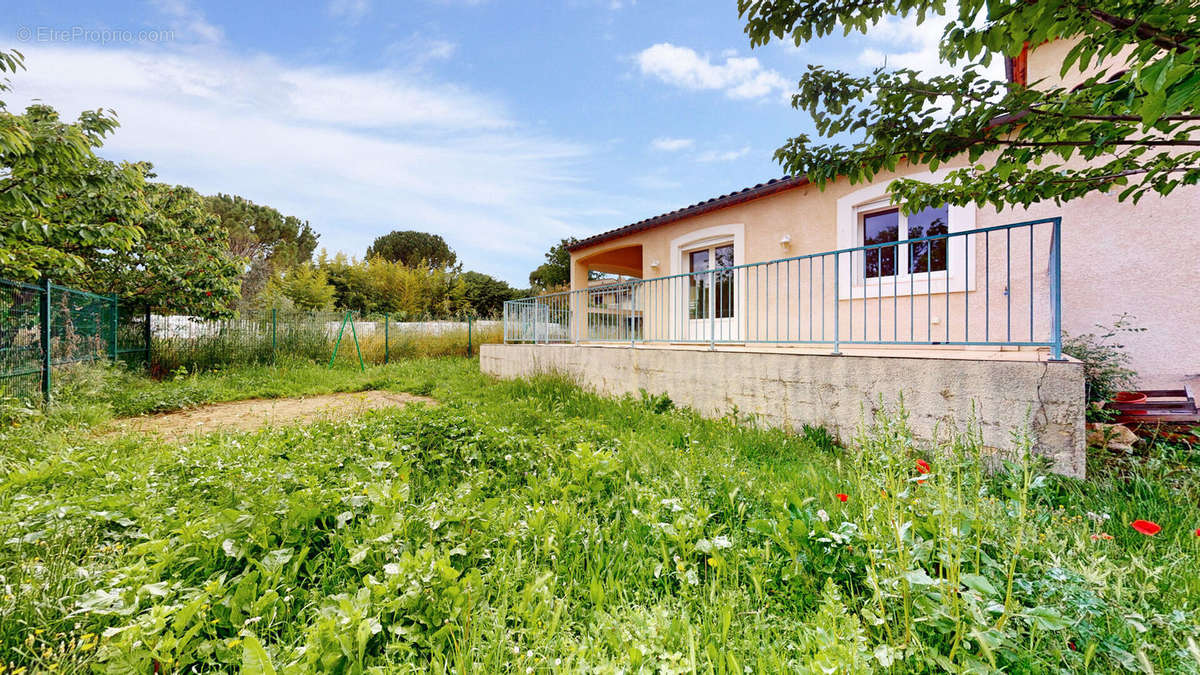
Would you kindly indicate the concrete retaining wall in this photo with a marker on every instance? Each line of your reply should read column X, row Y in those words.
column 1009, row 391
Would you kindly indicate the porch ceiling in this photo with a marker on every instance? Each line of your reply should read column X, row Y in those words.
column 626, row 260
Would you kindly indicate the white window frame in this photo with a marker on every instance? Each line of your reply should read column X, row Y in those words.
column 959, row 275
column 683, row 245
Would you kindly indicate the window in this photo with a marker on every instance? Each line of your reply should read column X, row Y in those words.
column 889, row 225
column 880, row 228
column 713, row 292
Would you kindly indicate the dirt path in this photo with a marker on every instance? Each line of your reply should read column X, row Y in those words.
column 257, row 413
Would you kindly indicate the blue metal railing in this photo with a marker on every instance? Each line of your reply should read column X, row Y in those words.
column 992, row 286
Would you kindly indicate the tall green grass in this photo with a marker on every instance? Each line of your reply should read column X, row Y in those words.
column 252, row 340
column 529, row 526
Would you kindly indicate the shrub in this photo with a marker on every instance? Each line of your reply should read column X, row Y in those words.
column 1105, row 361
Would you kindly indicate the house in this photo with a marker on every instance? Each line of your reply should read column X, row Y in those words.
column 806, row 306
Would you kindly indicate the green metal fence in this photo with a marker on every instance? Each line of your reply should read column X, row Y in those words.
column 347, row 338
column 46, row 327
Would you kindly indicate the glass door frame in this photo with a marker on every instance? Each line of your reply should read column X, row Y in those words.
column 708, row 326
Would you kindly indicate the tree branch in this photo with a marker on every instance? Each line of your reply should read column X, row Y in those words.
column 1143, row 31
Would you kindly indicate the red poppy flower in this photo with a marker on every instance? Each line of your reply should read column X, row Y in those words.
column 208, row 292
column 1198, row 531
column 1146, row 527
column 842, row 496
column 922, row 466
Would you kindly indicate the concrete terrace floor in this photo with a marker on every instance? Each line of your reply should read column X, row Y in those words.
column 970, row 353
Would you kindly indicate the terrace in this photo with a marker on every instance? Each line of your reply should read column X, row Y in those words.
column 819, row 337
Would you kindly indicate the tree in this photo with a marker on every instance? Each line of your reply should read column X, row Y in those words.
column 100, row 225
column 556, row 271
column 306, row 286
column 1134, row 124
column 181, row 260
column 482, row 294
column 413, row 249
column 57, row 198
column 270, row 241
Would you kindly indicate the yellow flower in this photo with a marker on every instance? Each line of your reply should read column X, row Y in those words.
column 234, row 643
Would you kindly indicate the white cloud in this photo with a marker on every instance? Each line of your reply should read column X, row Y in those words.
column 738, row 77
column 357, row 153
column 416, row 50
column 672, row 144
column 908, row 44
column 351, row 10
column 189, row 21
column 723, row 156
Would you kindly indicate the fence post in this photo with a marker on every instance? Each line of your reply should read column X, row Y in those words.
column 1056, row 289
column 337, row 344
column 147, row 334
column 387, row 319
column 837, row 302
column 469, row 317
column 44, row 309
column 354, row 332
column 274, row 317
column 116, row 327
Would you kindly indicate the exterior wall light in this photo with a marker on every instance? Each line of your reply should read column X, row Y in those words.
column 785, row 241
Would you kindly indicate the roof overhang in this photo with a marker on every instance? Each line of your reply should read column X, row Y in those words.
column 757, row 192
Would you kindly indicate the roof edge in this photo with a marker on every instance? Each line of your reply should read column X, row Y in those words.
column 747, row 194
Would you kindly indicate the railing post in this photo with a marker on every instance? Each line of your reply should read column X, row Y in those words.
column 387, row 320
column 837, row 303
column 44, row 309
column 712, row 311
column 632, row 304
column 1056, row 289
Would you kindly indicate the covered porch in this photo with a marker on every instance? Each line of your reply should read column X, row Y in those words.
column 996, row 288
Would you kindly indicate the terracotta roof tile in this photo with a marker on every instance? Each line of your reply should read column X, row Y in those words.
column 744, row 195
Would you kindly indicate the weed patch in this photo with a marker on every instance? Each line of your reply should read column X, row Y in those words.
column 531, row 526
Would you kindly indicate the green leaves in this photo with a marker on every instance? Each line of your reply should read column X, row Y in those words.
column 99, row 225
column 254, row 658
column 528, row 525
column 1127, row 105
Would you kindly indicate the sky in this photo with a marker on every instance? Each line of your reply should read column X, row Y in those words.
column 502, row 125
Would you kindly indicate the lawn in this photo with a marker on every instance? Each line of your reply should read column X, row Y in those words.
column 533, row 527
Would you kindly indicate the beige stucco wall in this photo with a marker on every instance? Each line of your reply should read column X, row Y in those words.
column 789, row 389
column 1117, row 257
column 1045, row 65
